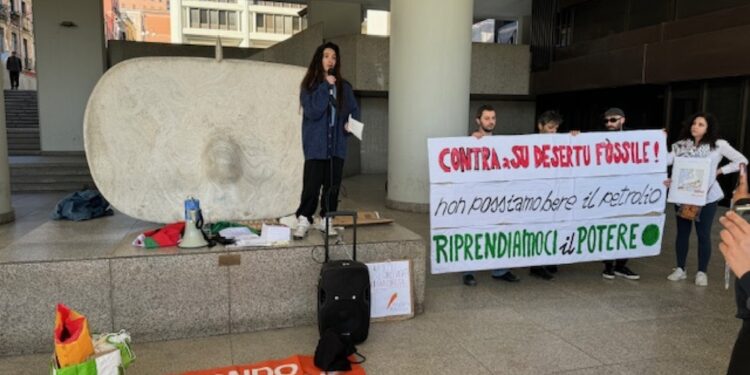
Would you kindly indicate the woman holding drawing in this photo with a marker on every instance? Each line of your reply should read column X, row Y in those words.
column 699, row 138
column 327, row 101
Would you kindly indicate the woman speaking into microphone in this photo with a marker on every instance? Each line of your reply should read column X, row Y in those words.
column 327, row 100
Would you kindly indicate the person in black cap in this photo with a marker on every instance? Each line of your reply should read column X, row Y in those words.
column 614, row 120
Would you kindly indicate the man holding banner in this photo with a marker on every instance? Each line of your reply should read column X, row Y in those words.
column 614, row 120
column 486, row 120
column 547, row 123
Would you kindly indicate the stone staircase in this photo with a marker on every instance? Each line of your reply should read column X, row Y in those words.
column 22, row 122
column 30, row 171
column 69, row 173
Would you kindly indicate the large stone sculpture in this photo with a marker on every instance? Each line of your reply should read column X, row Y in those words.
column 157, row 130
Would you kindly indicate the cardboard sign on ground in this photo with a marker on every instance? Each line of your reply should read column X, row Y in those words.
column 363, row 218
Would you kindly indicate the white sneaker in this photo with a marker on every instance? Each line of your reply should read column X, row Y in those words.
column 302, row 226
column 677, row 274
column 321, row 226
column 701, row 279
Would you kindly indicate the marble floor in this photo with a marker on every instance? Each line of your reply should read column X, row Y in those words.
column 575, row 324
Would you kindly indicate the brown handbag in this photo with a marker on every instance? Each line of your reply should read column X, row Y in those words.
column 689, row 212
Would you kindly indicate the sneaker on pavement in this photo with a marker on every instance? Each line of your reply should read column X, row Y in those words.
column 302, row 226
column 470, row 280
column 701, row 279
column 626, row 273
column 677, row 274
column 541, row 272
column 508, row 276
column 608, row 274
column 321, row 226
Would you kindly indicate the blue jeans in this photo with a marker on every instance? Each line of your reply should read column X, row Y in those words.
column 495, row 273
column 703, row 229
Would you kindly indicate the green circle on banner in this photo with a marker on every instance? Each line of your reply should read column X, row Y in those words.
column 650, row 235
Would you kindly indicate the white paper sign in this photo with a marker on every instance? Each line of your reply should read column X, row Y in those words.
column 522, row 245
column 390, row 289
column 506, row 158
column 275, row 233
column 356, row 127
column 690, row 178
column 545, row 200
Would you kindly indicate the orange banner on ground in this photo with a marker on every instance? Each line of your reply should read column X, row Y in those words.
column 294, row 365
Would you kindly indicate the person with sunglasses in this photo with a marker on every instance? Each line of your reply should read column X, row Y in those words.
column 614, row 120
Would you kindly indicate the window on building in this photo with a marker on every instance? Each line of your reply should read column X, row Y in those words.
column 14, row 39
column 12, row 4
column 25, row 49
column 296, row 24
column 279, row 24
column 232, row 21
column 214, row 20
column 260, row 25
column 195, row 16
column 204, row 18
column 269, row 22
column 2, row 39
column 288, row 25
column 223, row 23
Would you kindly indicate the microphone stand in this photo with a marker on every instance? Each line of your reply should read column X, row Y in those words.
column 330, row 139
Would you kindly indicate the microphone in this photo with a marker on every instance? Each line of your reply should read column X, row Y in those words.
column 331, row 72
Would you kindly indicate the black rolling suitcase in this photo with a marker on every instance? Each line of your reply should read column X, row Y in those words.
column 344, row 293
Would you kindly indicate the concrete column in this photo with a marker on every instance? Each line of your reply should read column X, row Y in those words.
column 70, row 61
column 6, row 210
column 175, row 20
column 245, row 22
column 339, row 18
column 430, row 71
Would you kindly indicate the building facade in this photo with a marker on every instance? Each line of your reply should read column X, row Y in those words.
column 659, row 60
column 137, row 20
column 239, row 23
column 17, row 31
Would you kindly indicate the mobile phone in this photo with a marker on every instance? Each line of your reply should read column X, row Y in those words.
column 742, row 208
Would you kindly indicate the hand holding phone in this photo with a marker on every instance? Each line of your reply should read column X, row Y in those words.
column 735, row 232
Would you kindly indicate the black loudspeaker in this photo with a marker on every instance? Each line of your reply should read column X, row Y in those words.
column 344, row 293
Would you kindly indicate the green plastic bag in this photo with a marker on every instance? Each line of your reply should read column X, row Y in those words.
column 109, row 363
column 121, row 341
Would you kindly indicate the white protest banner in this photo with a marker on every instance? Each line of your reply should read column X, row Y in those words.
column 690, row 177
column 545, row 200
column 552, row 198
column 522, row 245
column 506, row 158
column 390, row 289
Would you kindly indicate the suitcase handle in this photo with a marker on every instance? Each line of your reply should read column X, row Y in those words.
column 330, row 216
